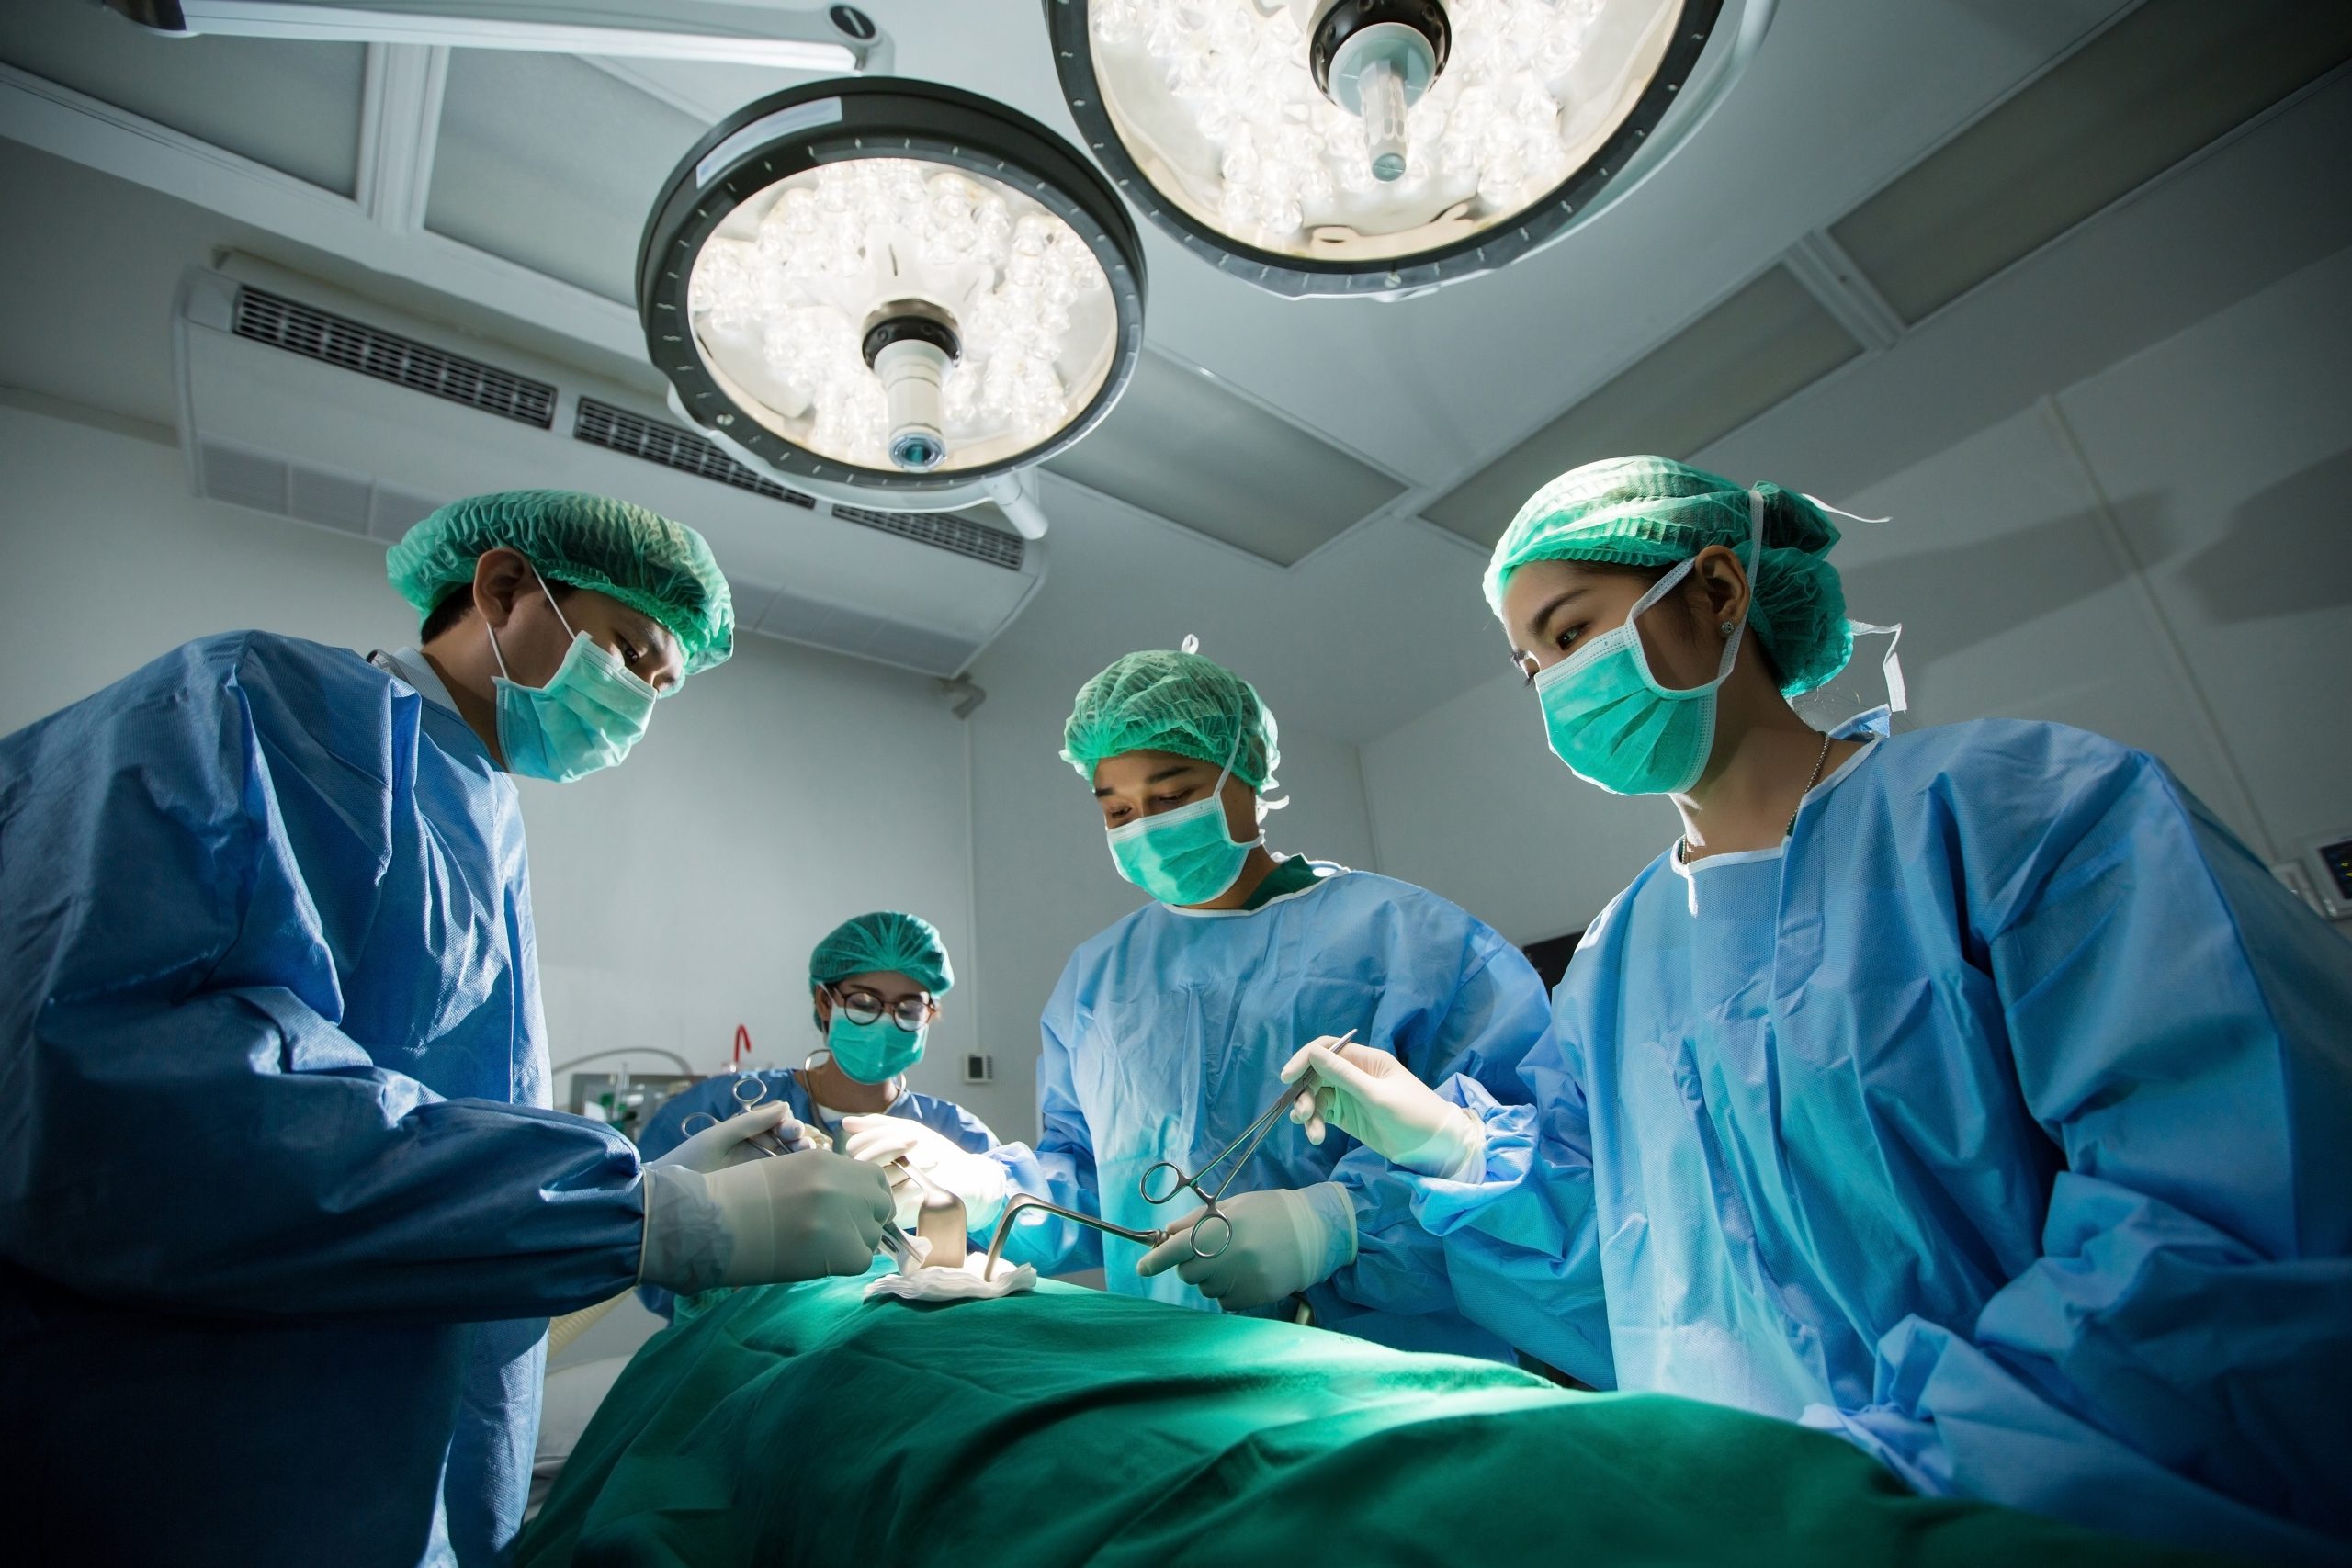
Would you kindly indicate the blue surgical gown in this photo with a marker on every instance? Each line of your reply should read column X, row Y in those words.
column 664, row 1129
column 1166, row 1038
column 1998, row 1122
column 282, row 1208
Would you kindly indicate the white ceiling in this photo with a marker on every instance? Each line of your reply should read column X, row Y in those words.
column 1838, row 101
column 544, row 168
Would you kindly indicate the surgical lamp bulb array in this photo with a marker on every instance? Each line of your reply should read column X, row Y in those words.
column 1489, row 129
column 896, row 286
column 1376, row 146
column 908, row 310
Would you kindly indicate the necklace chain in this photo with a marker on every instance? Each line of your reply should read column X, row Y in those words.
column 1682, row 845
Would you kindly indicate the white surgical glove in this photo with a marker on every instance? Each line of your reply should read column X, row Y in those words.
column 978, row 1180
column 715, row 1149
column 795, row 1217
column 1372, row 1097
column 1283, row 1242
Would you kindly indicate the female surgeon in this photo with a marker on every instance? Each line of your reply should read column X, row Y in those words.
column 1166, row 1036
column 1971, row 1093
column 874, row 983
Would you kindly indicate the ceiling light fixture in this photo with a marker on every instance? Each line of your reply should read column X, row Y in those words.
column 1385, row 147
column 891, row 286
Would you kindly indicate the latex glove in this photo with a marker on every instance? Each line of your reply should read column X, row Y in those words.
column 715, row 1149
column 1371, row 1096
column 796, row 1217
column 978, row 1180
column 1283, row 1242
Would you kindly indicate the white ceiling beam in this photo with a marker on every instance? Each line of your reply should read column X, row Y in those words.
column 1845, row 291
column 621, row 71
column 654, row 32
column 71, row 125
column 400, row 123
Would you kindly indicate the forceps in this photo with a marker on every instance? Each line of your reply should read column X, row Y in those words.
column 1159, row 1188
column 750, row 1090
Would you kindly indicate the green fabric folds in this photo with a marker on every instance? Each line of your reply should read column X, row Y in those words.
column 799, row 1423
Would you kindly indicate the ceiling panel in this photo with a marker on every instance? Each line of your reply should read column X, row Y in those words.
column 547, row 160
column 293, row 107
column 1766, row 342
column 1194, row 451
column 2149, row 91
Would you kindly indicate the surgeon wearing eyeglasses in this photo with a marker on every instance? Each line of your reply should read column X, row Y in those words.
column 875, row 986
column 1970, row 1093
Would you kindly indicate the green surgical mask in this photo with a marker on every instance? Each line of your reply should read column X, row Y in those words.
column 1612, row 722
column 872, row 1052
column 1187, row 855
column 586, row 717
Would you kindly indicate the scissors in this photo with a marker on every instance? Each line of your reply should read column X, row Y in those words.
column 1165, row 1179
column 750, row 1090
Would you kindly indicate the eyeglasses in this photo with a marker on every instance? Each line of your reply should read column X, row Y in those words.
column 909, row 1013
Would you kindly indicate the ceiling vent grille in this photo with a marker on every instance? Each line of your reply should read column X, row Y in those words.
column 616, row 429
column 943, row 530
column 301, row 329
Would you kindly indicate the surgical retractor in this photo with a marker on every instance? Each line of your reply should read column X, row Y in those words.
column 1024, row 1200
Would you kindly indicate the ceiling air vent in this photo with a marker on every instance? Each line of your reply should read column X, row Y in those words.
column 301, row 329
column 616, row 429
column 943, row 530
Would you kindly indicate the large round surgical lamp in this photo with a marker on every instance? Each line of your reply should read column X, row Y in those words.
column 1385, row 147
column 890, row 291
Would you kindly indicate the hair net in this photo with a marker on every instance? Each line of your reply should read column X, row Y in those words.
column 653, row 565
column 1183, row 703
column 884, row 940
column 1657, row 511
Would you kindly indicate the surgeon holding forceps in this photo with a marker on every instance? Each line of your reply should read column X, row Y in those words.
column 749, row 1092
column 1165, row 1179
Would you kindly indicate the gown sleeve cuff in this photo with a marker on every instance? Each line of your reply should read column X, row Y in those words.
column 1494, row 1159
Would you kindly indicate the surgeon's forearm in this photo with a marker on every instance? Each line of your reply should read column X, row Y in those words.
column 224, row 1187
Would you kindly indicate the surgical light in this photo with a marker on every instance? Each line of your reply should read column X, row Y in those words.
column 1385, row 146
column 891, row 286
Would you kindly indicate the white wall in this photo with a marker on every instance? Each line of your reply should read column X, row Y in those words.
column 2158, row 552
column 675, row 896
column 680, row 893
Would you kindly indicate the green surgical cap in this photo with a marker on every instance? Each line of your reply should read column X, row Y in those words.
column 1657, row 511
column 654, row 565
column 1163, row 701
column 884, row 940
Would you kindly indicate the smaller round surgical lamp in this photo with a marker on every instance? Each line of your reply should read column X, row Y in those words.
column 1385, row 147
column 890, row 289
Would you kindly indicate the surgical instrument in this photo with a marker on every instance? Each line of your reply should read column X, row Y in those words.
column 750, row 1090
column 1024, row 1200
column 1157, row 1191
